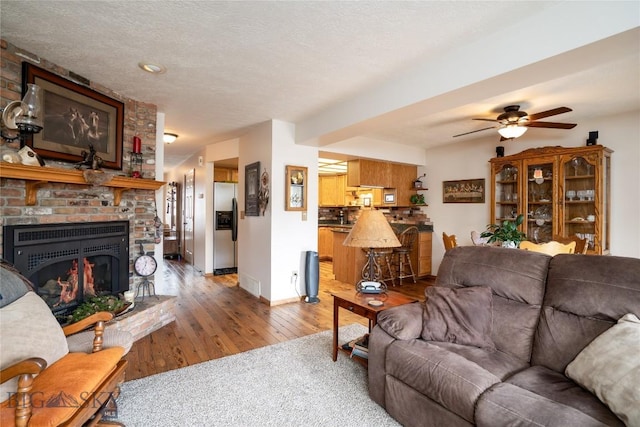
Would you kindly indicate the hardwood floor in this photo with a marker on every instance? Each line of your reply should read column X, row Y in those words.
column 216, row 318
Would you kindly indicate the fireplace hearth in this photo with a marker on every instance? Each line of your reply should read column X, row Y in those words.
column 70, row 262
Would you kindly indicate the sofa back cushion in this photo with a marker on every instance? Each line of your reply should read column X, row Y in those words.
column 517, row 280
column 585, row 296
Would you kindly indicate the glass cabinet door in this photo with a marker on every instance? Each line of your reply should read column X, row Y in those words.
column 580, row 204
column 539, row 192
column 506, row 192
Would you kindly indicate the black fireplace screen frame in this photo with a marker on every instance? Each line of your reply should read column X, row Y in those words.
column 37, row 250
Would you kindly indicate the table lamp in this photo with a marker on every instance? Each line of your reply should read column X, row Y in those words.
column 371, row 230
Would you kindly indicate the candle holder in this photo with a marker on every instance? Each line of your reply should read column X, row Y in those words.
column 135, row 165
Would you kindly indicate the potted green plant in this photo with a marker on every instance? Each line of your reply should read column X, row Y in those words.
column 506, row 233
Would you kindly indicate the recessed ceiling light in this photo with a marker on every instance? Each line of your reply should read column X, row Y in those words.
column 152, row 68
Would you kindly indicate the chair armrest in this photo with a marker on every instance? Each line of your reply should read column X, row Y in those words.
column 25, row 371
column 98, row 319
column 403, row 322
column 81, row 325
column 32, row 366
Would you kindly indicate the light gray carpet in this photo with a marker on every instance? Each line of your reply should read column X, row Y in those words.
column 287, row 384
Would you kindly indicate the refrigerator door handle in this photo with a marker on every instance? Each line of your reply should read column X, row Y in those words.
column 234, row 219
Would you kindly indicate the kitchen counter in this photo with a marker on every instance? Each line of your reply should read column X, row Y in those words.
column 401, row 226
column 349, row 261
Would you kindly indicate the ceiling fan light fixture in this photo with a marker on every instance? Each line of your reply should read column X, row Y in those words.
column 169, row 138
column 512, row 131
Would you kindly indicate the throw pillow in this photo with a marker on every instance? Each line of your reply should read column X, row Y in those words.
column 459, row 315
column 13, row 285
column 28, row 329
column 609, row 367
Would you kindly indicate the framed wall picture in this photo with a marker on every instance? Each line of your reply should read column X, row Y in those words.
column 75, row 118
column 296, row 188
column 463, row 191
column 251, row 189
column 389, row 197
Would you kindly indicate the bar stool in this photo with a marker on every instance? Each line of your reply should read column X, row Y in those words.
column 402, row 255
column 383, row 265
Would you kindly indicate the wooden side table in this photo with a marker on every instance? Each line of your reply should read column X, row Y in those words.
column 358, row 303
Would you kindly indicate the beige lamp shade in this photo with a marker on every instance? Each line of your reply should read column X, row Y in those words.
column 372, row 230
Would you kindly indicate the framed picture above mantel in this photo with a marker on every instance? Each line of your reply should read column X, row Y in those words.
column 296, row 188
column 75, row 119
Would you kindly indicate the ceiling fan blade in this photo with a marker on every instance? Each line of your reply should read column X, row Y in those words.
column 474, row 131
column 549, row 113
column 552, row 125
column 486, row 120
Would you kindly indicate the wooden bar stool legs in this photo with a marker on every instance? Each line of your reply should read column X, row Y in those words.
column 405, row 268
column 402, row 255
column 383, row 270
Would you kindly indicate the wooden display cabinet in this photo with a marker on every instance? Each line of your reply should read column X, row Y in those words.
column 561, row 191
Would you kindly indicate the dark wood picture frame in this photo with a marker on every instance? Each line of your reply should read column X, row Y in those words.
column 463, row 191
column 252, row 189
column 74, row 117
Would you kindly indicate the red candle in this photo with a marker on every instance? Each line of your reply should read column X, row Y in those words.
column 137, row 145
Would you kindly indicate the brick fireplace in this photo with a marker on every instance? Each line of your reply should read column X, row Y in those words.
column 60, row 194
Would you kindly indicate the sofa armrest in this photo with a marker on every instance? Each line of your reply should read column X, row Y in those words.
column 403, row 322
column 97, row 319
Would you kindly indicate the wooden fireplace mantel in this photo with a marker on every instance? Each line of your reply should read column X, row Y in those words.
column 37, row 176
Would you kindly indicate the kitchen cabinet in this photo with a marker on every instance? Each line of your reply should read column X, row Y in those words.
column 423, row 254
column 332, row 190
column 325, row 244
column 402, row 180
column 561, row 191
column 225, row 175
column 369, row 173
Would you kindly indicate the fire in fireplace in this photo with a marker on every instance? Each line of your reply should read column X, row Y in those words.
column 68, row 263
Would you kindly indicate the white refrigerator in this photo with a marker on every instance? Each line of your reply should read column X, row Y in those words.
column 225, row 206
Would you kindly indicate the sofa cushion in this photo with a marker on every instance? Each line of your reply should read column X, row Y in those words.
column 609, row 367
column 555, row 386
column 500, row 364
column 403, row 322
column 62, row 387
column 509, row 405
column 28, row 329
column 445, row 377
column 461, row 316
column 517, row 279
column 585, row 296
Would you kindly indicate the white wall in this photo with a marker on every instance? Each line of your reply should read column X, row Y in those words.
column 274, row 245
column 621, row 133
column 292, row 234
column 254, row 232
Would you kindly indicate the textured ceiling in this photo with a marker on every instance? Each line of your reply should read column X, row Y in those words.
column 231, row 65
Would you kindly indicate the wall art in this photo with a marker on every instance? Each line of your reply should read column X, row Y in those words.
column 76, row 118
column 463, row 191
column 252, row 189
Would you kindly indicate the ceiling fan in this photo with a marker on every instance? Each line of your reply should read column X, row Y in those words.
column 513, row 123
